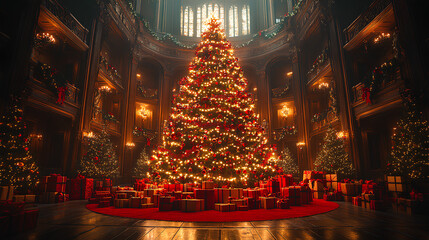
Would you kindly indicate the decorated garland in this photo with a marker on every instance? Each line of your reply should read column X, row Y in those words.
column 281, row 133
column 147, row 92
column 280, row 92
column 319, row 61
column 55, row 81
column 111, row 70
column 109, row 117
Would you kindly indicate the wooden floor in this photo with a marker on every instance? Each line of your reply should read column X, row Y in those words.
column 72, row 220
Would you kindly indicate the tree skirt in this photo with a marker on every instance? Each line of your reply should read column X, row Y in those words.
column 316, row 207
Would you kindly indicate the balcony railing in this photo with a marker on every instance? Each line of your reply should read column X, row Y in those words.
column 72, row 94
column 365, row 18
column 147, row 93
column 67, row 18
column 323, row 119
column 111, row 71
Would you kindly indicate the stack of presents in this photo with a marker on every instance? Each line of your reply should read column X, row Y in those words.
column 17, row 212
column 368, row 194
column 279, row 192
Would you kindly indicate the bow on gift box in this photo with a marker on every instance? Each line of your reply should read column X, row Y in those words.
column 282, row 200
column 188, row 197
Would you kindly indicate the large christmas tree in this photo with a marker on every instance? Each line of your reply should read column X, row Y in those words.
column 17, row 166
column 100, row 161
column 410, row 143
column 333, row 157
column 213, row 131
column 288, row 163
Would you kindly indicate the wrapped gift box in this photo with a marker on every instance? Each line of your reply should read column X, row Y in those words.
column 121, row 203
column 282, row 204
column 254, row 193
column 264, row 192
column 263, row 184
column 221, row 195
column 236, row 193
column 239, row 202
column 329, row 196
column 6, row 193
column 155, row 199
column 146, row 200
column 187, row 195
column 208, row 185
column 177, row 195
column 61, row 197
column 318, row 195
column 57, row 183
column 30, row 219
column 225, row 207
column 121, row 196
column 273, row 186
column 305, row 192
column 148, row 205
column 208, row 195
column 166, row 203
column 188, row 187
column 80, row 188
column 250, row 202
column 312, row 175
column 43, row 184
column 285, row 180
column 139, row 186
column 107, row 182
column 243, row 208
column 173, row 187
column 192, row 205
column 268, row 202
column 294, row 195
column 24, row 198
column 135, row 202
column 150, row 192
column 347, row 198
column 245, row 192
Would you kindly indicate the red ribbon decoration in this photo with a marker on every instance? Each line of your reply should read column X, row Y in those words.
column 366, row 95
column 61, row 94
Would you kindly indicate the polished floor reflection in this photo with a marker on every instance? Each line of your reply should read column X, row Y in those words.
column 72, row 220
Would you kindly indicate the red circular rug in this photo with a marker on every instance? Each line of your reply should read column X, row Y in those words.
column 316, row 207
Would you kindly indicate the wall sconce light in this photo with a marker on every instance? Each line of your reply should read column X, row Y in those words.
column 46, row 37
column 323, row 85
column 130, row 145
column 255, row 89
column 88, row 134
column 285, row 112
column 342, row 135
column 300, row 145
column 289, row 74
column 105, row 89
column 143, row 112
column 138, row 75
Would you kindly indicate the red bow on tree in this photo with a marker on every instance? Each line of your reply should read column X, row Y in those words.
column 61, row 94
column 366, row 95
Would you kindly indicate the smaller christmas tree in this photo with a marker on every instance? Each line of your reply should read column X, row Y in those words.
column 410, row 144
column 17, row 166
column 100, row 161
column 288, row 163
column 333, row 158
column 142, row 168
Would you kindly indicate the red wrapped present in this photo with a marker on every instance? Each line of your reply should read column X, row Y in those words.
column 155, row 199
column 188, row 187
column 24, row 198
column 135, row 202
column 8, row 207
column 294, row 195
column 80, row 188
column 250, row 202
column 17, row 223
column 188, row 195
column 239, row 202
column 243, row 208
column 47, row 197
column 150, row 192
column 273, row 186
column 282, row 203
column 138, row 186
column 57, row 183
column 148, row 205
column 208, row 195
column 329, row 196
column 313, row 175
column 121, row 203
column 254, row 193
column 61, row 197
column 107, row 182
column 263, row 184
column 225, row 207
column 166, row 203
column 192, row 205
column 268, row 202
column 173, row 187
column 208, row 185
column 245, row 192
column 43, row 184
column 285, row 180
column 177, row 195
column 236, row 193
column 30, row 219
column 264, row 192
